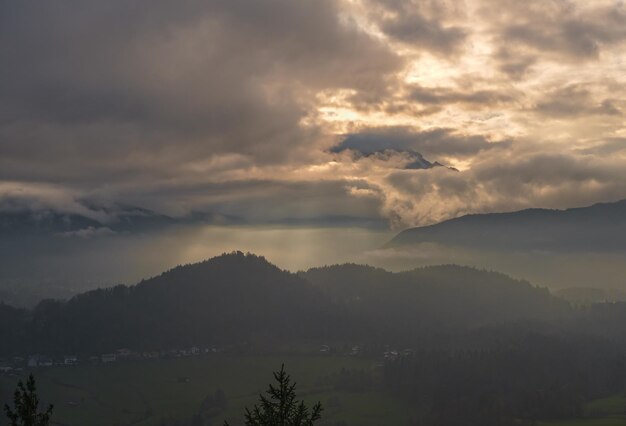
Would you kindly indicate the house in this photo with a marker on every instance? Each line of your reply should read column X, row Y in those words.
column 356, row 350
column 324, row 349
column 45, row 361
column 107, row 358
column 408, row 352
column 70, row 360
column 33, row 361
column 5, row 366
column 150, row 355
column 123, row 353
column 391, row 355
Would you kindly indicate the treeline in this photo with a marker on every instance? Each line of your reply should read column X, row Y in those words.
column 232, row 298
column 243, row 298
column 237, row 298
column 440, row 298
column 521, row 379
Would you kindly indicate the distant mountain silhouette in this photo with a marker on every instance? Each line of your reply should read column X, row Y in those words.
column 25, row 222
column 237, row 298
column 92, row 220
column 601, row 227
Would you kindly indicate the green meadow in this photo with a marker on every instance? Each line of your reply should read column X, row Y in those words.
column 147, row 392
column 602, row 412
column 144, row 393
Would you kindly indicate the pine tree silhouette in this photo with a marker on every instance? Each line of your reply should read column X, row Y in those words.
column 280, row 408
column 26, row 404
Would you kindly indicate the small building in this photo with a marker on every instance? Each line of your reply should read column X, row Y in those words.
column 123, row 353
column 391, row 355
column 70, row 360
column 33, row 361
column 150, row 355
column 324, row 349
column 108, row 358
column 356, row 350
column 5, row 366
column 45, row 361
column 408, row 352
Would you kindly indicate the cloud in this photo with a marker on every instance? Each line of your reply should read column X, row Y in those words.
column 575, row 100
column 434, row 143
column 281, row 111
column 88, row 233
column 419, row 31
column 501, row 183
column 419, row 24
column 568, row 29
column 17, row 197
column 610, row 146
column 92, row 89
column 446, row 96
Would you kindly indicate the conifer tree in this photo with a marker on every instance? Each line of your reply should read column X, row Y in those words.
column 26, row 404
column 280, row 408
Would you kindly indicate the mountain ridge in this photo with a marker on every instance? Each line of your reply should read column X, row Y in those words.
column 239, row 297
column 600, row 226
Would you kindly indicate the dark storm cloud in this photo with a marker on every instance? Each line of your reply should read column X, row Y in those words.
column 420, row 24
column 446, row 96
column 516, row 65
column 559, row 27
column 148, row 85
column 435, row 143
column 606, row 147
column 290, row 202
column 541, row 170
column 574, row 101
column 418, row 31
column 231, row 106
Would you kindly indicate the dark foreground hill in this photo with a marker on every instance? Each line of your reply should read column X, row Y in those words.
column 239, row 298
column 230, row 298
column 601, row 227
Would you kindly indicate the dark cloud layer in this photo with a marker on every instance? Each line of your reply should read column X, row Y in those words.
column 281, row 110
column 419, row 24
column 575, row 101
column 93, row 82
column 437, row 142
column 570, row 29
column 445, row 96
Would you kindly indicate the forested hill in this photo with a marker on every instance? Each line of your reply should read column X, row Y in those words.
column 230, row 298
column 445, row 295
column 601, row 227
column 238, row 298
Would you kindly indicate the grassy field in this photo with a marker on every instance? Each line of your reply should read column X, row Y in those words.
column 602, row 412
column 143, row 393
column 603, row 421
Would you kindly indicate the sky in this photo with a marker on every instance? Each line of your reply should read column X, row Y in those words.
column 312, row 111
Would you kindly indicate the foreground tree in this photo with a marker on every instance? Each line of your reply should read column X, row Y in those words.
column 280, row 408
column 26, row 404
